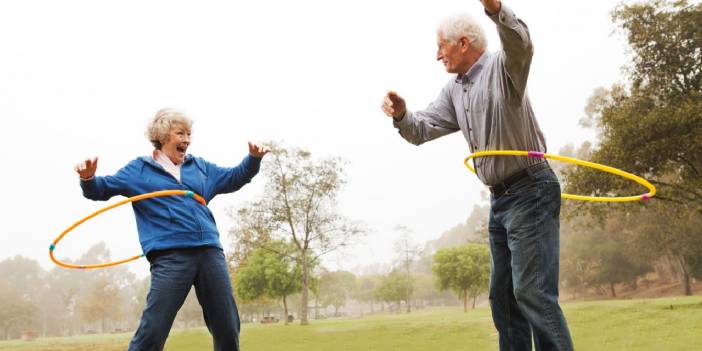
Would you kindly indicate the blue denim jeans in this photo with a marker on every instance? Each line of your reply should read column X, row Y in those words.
column 173, row 272
column 524, row 242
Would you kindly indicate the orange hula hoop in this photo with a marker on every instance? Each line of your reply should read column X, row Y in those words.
column 161, row 193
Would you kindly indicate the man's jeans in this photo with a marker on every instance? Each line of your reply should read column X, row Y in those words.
column 524, row 242
column 173, row 272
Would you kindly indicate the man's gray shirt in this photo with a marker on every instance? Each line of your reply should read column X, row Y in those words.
column 488, row 104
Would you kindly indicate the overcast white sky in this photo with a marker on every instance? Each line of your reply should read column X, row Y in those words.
column 81, row 78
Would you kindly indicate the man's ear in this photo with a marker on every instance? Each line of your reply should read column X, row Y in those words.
column 465, row 44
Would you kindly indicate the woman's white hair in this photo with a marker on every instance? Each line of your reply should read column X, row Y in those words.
column 159, row 126
column 454, row 27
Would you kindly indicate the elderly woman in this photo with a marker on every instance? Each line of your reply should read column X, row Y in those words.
column 178, row 235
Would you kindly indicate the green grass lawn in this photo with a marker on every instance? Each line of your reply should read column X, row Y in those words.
column 654, row 324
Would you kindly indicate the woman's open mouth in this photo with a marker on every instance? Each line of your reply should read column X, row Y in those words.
column 181, row 149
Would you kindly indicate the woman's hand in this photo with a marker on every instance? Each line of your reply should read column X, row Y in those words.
column 87, row 168
column 258, row 151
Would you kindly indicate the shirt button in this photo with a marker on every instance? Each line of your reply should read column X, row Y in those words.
column 465, row 90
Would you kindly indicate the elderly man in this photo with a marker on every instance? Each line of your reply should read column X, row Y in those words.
column 487, row 102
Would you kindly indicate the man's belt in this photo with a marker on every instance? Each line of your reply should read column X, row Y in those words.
column 500, row 188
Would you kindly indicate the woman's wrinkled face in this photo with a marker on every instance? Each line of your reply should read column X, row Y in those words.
column 176, row 143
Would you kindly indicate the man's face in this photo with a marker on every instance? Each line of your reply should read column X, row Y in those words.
column 453, row 54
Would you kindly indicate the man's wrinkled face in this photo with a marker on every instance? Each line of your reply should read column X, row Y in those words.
column 453, row 54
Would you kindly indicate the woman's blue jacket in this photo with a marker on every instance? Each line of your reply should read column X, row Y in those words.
column 173, row 221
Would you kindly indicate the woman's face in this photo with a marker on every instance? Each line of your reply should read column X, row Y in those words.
column 176, row 143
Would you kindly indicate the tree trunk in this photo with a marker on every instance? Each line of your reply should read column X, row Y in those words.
column 305, row 289
column 316, row 307
column 612, row 290
column 475, row 297
column 465, row 300
column 673, row 267
column 408, row 287
column 285, row 308
column 685, row 275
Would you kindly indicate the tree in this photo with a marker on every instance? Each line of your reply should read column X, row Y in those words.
column 101, row 303
column 298, row 205
column 666, row 229
column 474, row 229
column 269, row 271
column 424, row 288
column 16, row 311
column 22, row 286
column 393, row 288
column 695, row 263
column 24, row 275
column 408, row 253
column 365, row 287
column 137, row 299
column 651, row 125
column 599, row 255
column 66, row 286
column 653, row 128
column 335, row 288
column 464, row 270
column 100, row 298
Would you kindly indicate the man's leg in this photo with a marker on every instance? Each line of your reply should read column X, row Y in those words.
column 172, row 274
column 214, row 291
column 512, row 326
column 533, row 239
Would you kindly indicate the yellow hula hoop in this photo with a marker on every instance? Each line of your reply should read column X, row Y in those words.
column 185, row 193
column 536, row 154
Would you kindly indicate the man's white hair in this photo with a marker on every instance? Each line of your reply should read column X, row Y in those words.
column 159, row 126
column 454, row 27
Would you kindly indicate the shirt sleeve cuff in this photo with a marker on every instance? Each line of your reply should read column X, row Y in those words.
column 254, row 163
column 404, row 121
column 505, row 17
column 255, row 160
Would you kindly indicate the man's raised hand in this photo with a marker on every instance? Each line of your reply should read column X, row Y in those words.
column 394, row 105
